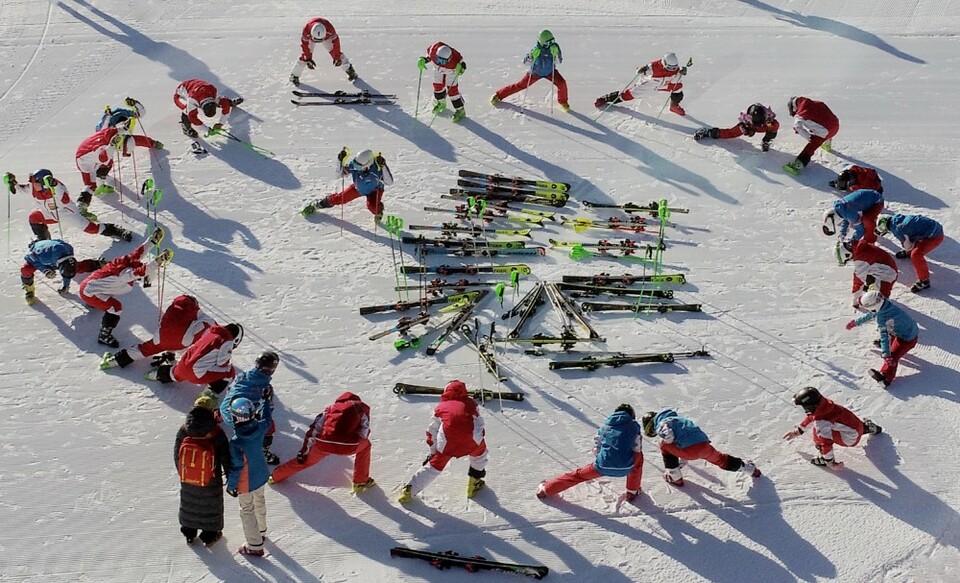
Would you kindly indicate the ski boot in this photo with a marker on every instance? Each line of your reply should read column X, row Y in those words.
column 271, row 458
column 921, row 285
column 703, row 133
column 236, row 101
column 542, row 491
column 109, row 360
column 495, row 99
column 439, row 107
column 313, row 206
column 209, row 541
column 83, row 207
column 295, row 80
column 115, row 232
column 104, row 189
column 30, row 294
column 188, row 130
column 675, row 108
column 197, row 149
column 351, row 74
column 825, row 462
column 631, row 495
column 750, row 468
column 902, row 254
column 608, row 99
column 879, row 377
column 793, row 168
column 458, row 115
column 674, row 477
column 406, row 495
column 106, row 338
column 358, row 488
column 871, row 428
column 565, row 107
column 475, row 481
column 827, row 146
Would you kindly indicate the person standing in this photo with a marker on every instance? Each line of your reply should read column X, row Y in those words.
column 543, row 59
column 448, row 67
column 249, row 471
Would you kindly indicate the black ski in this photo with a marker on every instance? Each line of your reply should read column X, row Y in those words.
column 616, row 291
column 593, row 362
column 503, row 198
column 455, row 324
column 451, row 559
column 625, row 279
column 526, row 307
column 479, row 394
column 520, row 189
column 347, row 101
column 403, row 325
column 485, row 251
column 468, row 269
column 401, row 306
column 570, row 311
column 439, row 284
column 342, row 94
column 472, row 336
column 462, row 243
column 500, row 178
column 566, row 342
column 641, row 307
column 630, row 207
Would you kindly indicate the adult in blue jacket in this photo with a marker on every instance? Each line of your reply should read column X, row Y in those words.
column 899, row 332
column 918, row 235
column 370, row 174
column 255, row 384
column 681, row 438
column 860, row 208
column 618, row 451
column 248, row 470
column 52, row 256
column 543, row 59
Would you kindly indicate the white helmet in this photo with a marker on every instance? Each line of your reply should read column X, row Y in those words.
column 318, row 32
column 830, row 223
column 119, row 141
column 872, row 300
column 670, row 62
column 365, row 158
column 792, row 106
column 443, row 55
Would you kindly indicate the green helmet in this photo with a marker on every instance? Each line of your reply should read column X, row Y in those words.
column 545, row 37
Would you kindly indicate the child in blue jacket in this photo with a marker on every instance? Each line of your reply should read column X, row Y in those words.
column 899, row 332
column 543, row 59
column 918, row 235
column 249, row 471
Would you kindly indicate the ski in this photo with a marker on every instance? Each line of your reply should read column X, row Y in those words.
column 624, row 244
column 473, row 230
column 479, row 394
column 570, row 311
column 465, row 313
column 565, row 342
column 625, row 279
column 630, row 207
column 578, row 252
column 526, row 307
column 439, row 284
column 640, row 307
column 401, row 306
column 468, row 269
column 503, row 199
column 342, row 94
column 346, row 101
column 462, row 243
column 514, row 190
column 404, row 324
column 616, row 360
column 500, row 178
column 462, row 212
column 472, row 336
column 484, row 251
column 472, row 564
column 615, row 291
column 478, row 205
column 636, row 224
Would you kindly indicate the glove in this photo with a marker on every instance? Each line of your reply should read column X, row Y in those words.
column 868, row 281
column 64, row 290
column 342, row 156
column 301, row 457
column 902, row 254
column 832, row 184
column 191, row 132
column 643, row 70
column 164, row 258
column 157, row 145
column 103, row 172
column 851, row 325
column 216, row 127
column 11, row 181
column 555, row 50
column 337, row 62
column 460, row 68
column 427, row 461
column 267, row 392
column 381, row 162
column 50, row 273
column 310, row 63
column 683, row 71
column 888, row 362
column 236, row 101
column 233, row 492
column 764, row 146
column 748, row 131
column 422, row 63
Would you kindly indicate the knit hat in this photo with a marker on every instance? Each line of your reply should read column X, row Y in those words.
column 208, row 400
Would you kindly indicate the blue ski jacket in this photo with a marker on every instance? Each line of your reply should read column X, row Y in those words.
column 248, row 467
column 908, row 229
column 367, row 181
column 48, row 254
column 541, row 58
column 680, row 431
column 850, row 207
column 617, row 440
column 250, row 384
column 892, row 321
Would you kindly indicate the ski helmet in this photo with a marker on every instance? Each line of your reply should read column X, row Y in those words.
column 68, row 267
column 444, row 53
column 883, row 226
column 808, row 398
column 758, row 114
column 627, row 408
column 830, row 223
column 647, row 423
column 318, row 32
column 268, row 362
column 40, row 175
column 119, row 141
column 845, row 253
column 545, row 37
column 241, row 409
column 792, row 106
column 237, row 331
column 872, row 300
column 138, row 109
column 364, row 159
column 209, row 107
column 670, row 62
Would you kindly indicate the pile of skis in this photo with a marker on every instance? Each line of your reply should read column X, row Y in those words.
column 571, row 316
column 342, row 98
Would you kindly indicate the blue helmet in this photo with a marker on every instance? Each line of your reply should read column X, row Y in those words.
column 242, row 410
column 40, row 175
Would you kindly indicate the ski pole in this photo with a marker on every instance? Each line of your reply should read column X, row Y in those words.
column 53, row 196
column 6, row 181
column 416, row 112
column 253, row 147
column 552, row 87
column 670, row 95
column 341, row 161
column 625, row 88
column 136, row 176
column 152, row 153
column 455, row 77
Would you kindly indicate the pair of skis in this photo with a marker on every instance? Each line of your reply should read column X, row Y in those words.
column 462, row 243
column 639, row 307
column 494, row 194
column 625, row 279
column 593, row 363
column 469, row 269
column 516, row 181
column 478, row 394
column 652, row 208
column 305, row 98
column 403, row 306
column 449, row 559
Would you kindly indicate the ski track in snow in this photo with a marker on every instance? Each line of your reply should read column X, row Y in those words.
column 87, row 485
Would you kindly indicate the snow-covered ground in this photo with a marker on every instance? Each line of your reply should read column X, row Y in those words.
column 88, row 491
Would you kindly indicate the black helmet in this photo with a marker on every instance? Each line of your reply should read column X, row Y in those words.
column 758, row 114
column 627, row 408
column 68, row 267
column 268, row 361
column 808, row 398
column 209, row 107
column 236, row 330
column 647, row 423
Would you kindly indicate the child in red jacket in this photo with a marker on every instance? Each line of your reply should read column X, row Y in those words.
column 832, row 424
